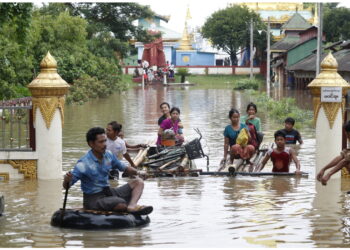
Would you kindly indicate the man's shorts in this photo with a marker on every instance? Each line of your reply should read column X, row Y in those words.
column 346, row 154
column 101, row 201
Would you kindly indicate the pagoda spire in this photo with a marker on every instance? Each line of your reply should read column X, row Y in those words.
column 188, row 14
column 185, row 42
column 315, row 22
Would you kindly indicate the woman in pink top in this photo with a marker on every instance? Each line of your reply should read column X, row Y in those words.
column 172, row 123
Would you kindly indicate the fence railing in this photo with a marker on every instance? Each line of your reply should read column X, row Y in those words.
column 16, row 125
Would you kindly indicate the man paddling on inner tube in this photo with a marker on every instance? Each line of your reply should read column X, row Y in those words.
column 92, row 170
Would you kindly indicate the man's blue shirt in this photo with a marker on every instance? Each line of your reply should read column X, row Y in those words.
column 92, row 173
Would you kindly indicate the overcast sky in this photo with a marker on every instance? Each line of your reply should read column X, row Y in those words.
column 200, row 10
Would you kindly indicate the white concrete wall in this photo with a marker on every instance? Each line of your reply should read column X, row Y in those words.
column 13, row 172
column 246, row 71
column 328, row 141
column 196, row 71
column 17, row 155
column 49, row 146
column 220, row 71
column 13, row 155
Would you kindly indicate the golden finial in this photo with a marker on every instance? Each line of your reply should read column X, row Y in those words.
column 48, row 82
column 48, row 90
column 188, row 15
column 328, row 77
column 48, row 62
column 329, row 63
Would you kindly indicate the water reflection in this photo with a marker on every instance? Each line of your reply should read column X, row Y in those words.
column 203, row 211
column 324, row 215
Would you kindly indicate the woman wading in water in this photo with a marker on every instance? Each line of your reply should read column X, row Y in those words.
column 230, row 136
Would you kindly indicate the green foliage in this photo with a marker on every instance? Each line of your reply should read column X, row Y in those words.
column 246, row 83
column 87, row 87
column 85, row 45
column 18, row 15
column 182, row 72
column 117, row 18
column 336, row 23
column 280, row 110
column 15, row 59
column 228, row 29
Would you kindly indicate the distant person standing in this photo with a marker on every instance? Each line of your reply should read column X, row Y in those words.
column 171, row 70
column 145, row 65
column 136, row 73
column 292, row 135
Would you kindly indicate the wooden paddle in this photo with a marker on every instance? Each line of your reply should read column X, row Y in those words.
column 64, row 205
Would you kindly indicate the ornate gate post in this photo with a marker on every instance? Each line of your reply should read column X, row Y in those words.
column 328, row 90
column 48, row 90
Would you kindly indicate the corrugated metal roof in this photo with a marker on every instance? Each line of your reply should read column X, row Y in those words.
column 309, row 63
column 301, row 42
column 286, row 43
column 296, row 22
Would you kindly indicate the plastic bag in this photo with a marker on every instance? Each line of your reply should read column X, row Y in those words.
column 242, row 138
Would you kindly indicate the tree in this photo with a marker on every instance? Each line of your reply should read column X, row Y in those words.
column 15, row 64
column 228, row 29
column 18, row 14
column 117, row 18
column 336, row 23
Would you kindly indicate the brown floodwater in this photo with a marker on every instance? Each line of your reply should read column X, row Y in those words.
column 203, row 211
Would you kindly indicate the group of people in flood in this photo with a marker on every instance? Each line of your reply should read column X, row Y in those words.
column 170, row 126
column 108, row 147
column 242, row 138
column 154, row 73
column 103, row 160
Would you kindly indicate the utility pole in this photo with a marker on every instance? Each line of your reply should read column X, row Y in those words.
column 251, row 49
column 319, row 38
column 268, row 66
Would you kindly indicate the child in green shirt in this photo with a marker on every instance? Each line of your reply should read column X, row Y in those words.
column 251, row 116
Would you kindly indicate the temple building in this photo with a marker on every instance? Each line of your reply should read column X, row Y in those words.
column 299, row 41
column 180, row 50
column 280, row 13
column 170, row 38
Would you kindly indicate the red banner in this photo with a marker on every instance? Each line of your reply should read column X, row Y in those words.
column 154, row 54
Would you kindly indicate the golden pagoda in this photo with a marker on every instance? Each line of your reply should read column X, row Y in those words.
column 186, row 41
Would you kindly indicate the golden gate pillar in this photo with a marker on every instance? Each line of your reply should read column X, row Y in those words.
column 328, row 90
column 48, row 90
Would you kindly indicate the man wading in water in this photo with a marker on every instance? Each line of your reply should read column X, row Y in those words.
column 92, row 171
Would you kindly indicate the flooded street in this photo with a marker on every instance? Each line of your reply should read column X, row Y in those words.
column 203, row 211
